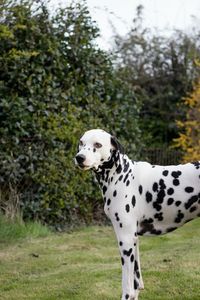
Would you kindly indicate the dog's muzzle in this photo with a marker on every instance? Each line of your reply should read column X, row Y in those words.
column 80, row 158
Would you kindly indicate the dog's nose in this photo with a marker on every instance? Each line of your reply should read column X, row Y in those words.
column 80, row 158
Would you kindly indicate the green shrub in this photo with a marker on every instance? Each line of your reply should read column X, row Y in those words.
column 54, row 84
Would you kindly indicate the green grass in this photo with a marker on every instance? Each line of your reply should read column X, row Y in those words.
column 85, row 265
column 15, row 230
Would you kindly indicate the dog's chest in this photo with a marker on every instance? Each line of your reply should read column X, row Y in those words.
column 118, row 196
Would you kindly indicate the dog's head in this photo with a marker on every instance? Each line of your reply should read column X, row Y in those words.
column 96, row 147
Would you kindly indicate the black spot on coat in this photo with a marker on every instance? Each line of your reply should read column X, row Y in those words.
column 133, row 201
column 155, row 187
column 176, row 174
column 126, row 167
column 196, row 164
column 127, row 208
column 121, row 177
column 132, row 258
column 135, row 284
column 179, row 217
column 162, row 184
column 108, row 202
column 170, row 191
column 176, row 182
column 157, row 206
column 148, row 197
column 104, row 189
column 119, row 169
column 126, row 177
column 159, row 216
column 128, row 252
column 170, row 201
column 189, row 189
column 191, row 201
column 165, row 173
column 140, row 189
column 193, row 208
column 136, row 269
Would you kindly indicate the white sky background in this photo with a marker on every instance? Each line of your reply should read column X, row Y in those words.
column 162, row 14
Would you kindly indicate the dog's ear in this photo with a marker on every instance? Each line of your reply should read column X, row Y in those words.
column 116, row 144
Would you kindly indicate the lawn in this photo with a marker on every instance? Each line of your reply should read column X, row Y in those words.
column 85, row 265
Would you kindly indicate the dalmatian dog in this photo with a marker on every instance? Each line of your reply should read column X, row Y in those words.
column 140, row 198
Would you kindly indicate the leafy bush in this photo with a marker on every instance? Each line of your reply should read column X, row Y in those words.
column 54, row 84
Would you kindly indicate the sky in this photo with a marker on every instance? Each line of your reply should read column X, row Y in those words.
column 165, row 15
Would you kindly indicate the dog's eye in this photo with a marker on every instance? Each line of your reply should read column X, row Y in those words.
column 97, row 145
column 80, row 143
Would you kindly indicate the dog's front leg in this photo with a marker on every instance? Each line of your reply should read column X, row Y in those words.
column 138, row 273
column 127, row 240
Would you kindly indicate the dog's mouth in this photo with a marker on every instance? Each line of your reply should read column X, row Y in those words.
column 83, row 167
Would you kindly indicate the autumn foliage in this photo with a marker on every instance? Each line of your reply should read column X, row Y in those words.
column 189, row 137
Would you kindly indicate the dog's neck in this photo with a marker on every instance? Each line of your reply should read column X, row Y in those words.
column 106, row 172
